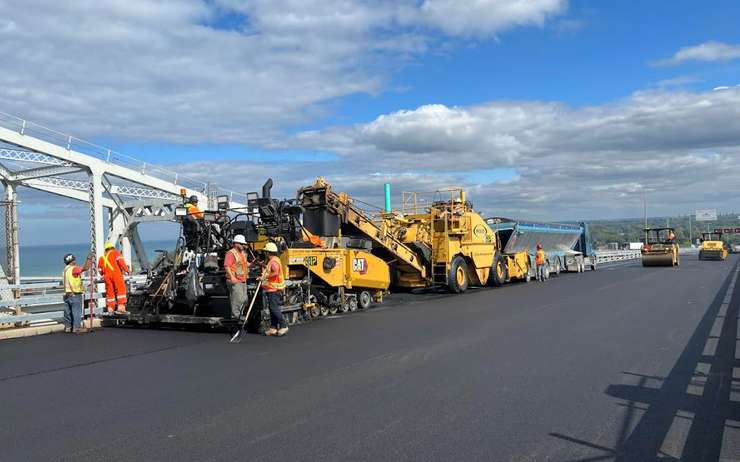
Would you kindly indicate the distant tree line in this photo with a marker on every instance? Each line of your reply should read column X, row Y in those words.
column 605, row 232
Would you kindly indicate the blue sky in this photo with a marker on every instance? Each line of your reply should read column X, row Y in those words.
column 553, row 110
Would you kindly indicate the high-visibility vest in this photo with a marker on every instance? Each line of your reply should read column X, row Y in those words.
column 110, row 262
column 240, row 266
column 194, row 210
column 72, row 283
column 540, row 257
column 275, row 283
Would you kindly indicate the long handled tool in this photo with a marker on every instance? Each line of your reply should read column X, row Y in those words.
column 91, row 302
column 237, row 338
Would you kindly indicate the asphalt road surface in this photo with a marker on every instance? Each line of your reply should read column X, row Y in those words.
column 625, row 363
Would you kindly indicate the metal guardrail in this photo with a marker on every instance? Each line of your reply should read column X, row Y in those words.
column 43, row 300
column 606, row 256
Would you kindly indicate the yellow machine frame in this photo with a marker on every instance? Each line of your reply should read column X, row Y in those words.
column 712, row 249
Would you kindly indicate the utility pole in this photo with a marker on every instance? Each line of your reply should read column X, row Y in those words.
column 691, row 239
column 644, row 211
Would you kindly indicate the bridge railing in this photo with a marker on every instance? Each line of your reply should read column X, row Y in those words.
column 606, row 256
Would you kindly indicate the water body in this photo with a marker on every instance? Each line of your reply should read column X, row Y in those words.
column 47, row 260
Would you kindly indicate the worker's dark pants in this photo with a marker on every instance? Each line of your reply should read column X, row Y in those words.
column 276, row 315
column 73, row 311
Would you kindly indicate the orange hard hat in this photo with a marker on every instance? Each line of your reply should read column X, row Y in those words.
column 539, row 246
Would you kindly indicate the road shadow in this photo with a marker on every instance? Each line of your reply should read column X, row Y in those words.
column 689, row 409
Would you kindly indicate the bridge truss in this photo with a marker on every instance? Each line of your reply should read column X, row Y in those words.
column 128, row 190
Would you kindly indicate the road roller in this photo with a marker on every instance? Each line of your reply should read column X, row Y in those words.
column 712, row 247
column 660, row 247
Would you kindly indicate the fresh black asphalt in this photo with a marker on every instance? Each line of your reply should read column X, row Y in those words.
column 625, row 363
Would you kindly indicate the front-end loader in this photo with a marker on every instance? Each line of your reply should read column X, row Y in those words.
column 660, row 247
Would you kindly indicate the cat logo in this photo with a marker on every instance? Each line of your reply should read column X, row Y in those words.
column 359, row 265
column 311, row 260
column 479, row 230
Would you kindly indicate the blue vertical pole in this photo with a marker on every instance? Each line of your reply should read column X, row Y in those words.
column 387, row 188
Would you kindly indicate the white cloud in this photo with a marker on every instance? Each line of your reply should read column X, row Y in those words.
column 218, row 71
column 706, row 52
column 487, row 17
column 681, row 147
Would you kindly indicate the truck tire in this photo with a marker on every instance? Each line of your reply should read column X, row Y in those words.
column 365, row 300
column 457, row 279
column 499, row 271
column 528, row 274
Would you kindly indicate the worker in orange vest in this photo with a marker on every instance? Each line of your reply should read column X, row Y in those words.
column 273, row 284
column 540, row 261
column 192, row 207
column 113, row 267
column 236, row 267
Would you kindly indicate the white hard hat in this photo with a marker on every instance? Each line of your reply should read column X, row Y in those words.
column 271, row 247
column 239, row 239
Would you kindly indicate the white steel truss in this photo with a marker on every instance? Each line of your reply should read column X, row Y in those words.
column 132, row 191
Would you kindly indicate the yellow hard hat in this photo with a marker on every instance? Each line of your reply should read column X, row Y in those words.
column 109, row 245
column 271, row 247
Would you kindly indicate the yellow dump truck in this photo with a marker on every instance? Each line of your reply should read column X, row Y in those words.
column 712, row 247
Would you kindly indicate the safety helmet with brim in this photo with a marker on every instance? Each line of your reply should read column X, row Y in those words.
column 271, row 247
column 69, row 258
column 239, row 239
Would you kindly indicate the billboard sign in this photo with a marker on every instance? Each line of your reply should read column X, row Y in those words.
column 706, row 215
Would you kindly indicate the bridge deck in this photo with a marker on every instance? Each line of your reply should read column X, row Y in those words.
column 590, row 367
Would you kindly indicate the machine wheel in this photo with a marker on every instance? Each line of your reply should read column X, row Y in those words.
column 352, row 303
column 334, row 305
column 528, row 274
column 323, row 310
column 315, row 310
column 557, row 267
column 365, row 300
column 547, row 272
column 458, row 277
column 499, row 271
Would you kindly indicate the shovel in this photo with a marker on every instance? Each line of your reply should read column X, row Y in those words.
column 237, row 338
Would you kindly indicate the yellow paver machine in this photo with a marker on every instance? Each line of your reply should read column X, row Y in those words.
column 660, row 247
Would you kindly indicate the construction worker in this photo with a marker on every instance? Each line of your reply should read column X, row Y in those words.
column 671, row 236
column 540, row 261
column 236, row 266
column 273, row 284
column 192, row 207
column 112, row 267
column 72, row 281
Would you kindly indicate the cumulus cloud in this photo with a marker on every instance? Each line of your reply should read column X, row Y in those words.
column 220, row 70
column 680, row 147
column 486, row 17
column 704, row 52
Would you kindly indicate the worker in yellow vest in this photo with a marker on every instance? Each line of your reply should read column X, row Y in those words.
column 273, row 285
column 236, row 266
column 540, row 261
column 72, row 282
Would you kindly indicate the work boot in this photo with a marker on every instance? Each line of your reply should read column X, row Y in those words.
column 81, row 330
column 283, row 331
column 67, row 330
column 271, row 332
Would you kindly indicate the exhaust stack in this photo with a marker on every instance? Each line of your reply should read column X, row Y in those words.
column 266, row 188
